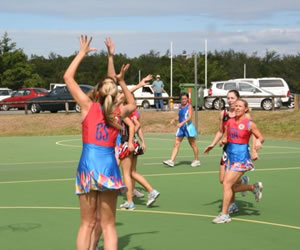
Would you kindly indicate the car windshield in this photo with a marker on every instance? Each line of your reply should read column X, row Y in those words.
column 58, row 91
column 4, row 92
column 147, row 89
column 230, row 86
column 19, row 93
column 246, row 87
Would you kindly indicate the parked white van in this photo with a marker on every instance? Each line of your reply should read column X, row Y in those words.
column 55, row 85
column 277, row 86
column 146, row 92
column 5, row 93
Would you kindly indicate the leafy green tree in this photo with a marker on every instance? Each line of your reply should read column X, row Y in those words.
column 14, row 68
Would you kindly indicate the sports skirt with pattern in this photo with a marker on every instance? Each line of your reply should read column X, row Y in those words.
column 124, row 151
column 98, row 170
column 238, row 157
column 187, row 130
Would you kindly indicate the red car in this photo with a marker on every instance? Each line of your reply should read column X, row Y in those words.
column 22, row 95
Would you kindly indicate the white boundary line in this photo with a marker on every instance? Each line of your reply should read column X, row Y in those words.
column 159, row 212
column 61, row 143
column 141, row 158
column 147, row 175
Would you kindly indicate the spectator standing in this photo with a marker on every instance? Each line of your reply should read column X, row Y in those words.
column 158, row 87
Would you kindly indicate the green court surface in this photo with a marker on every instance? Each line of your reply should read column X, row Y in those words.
column 39, row 210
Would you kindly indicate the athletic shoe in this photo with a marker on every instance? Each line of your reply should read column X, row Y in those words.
column 127, row 205
column 221, row 218
column 137, row 194
column 245, row 180
column 152, row 197
column 233, row 208
column 195, row 163
column 258, row 191
column 169, row 163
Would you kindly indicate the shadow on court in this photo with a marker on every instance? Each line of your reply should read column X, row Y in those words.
column 124, row 241
column 245, row 207
column 20, row 228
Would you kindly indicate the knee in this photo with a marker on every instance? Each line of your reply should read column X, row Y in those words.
column 90, row 224
column 107, row 226
column 176, row 144
column 226, row 185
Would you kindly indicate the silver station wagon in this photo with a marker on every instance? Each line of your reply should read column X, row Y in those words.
column 260, row 97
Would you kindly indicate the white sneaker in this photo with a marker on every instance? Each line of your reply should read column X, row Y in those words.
column 137, row 194
column 152, row 197
column 258, row 191
column 195, row 163
column 169, row 163
column 127, row 205
column 221, row 218
column 245, row 180
column 233, row 208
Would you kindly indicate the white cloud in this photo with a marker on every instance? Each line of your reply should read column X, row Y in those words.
column 134, row 43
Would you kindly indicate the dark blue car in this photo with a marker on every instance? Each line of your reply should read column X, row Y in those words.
column 59, row 93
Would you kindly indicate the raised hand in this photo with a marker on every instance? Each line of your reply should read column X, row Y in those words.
column 147, row 78
column 110, row 46
column 85, row 44
column 123, row 70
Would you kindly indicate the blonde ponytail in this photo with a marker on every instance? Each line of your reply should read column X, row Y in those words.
column 108, row 92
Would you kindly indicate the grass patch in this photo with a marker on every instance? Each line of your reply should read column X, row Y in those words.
column 277, row 124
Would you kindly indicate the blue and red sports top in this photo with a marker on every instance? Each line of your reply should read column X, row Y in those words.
column 238, row 133
column 95, row 129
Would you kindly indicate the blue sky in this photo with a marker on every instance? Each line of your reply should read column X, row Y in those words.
column 137, row 26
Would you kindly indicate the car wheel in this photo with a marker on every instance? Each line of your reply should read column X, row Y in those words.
column 207, row 104
column 77, row 108
column 217, row 104
column 146, row 104
column 5, row 107
column 267, row 104
column 35, row 108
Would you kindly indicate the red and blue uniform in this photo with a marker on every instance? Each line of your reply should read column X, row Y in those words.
column 123, row 148
column 97, row 168
column 237, row 149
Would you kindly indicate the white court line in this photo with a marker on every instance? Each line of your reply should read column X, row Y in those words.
column 142, row 157
column 35, row 162
column 147, row 175
column 61, row 143
column 160, row 212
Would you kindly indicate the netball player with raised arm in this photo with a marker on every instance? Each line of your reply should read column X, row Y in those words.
column 98, row 181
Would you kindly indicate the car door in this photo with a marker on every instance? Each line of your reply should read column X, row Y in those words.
column 54, row 95
column 65, row 95
column 17, row 97
column 247, row 89
column 27, row 94
column 148, row 92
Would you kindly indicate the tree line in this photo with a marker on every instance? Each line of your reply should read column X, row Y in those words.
column 17, row 70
